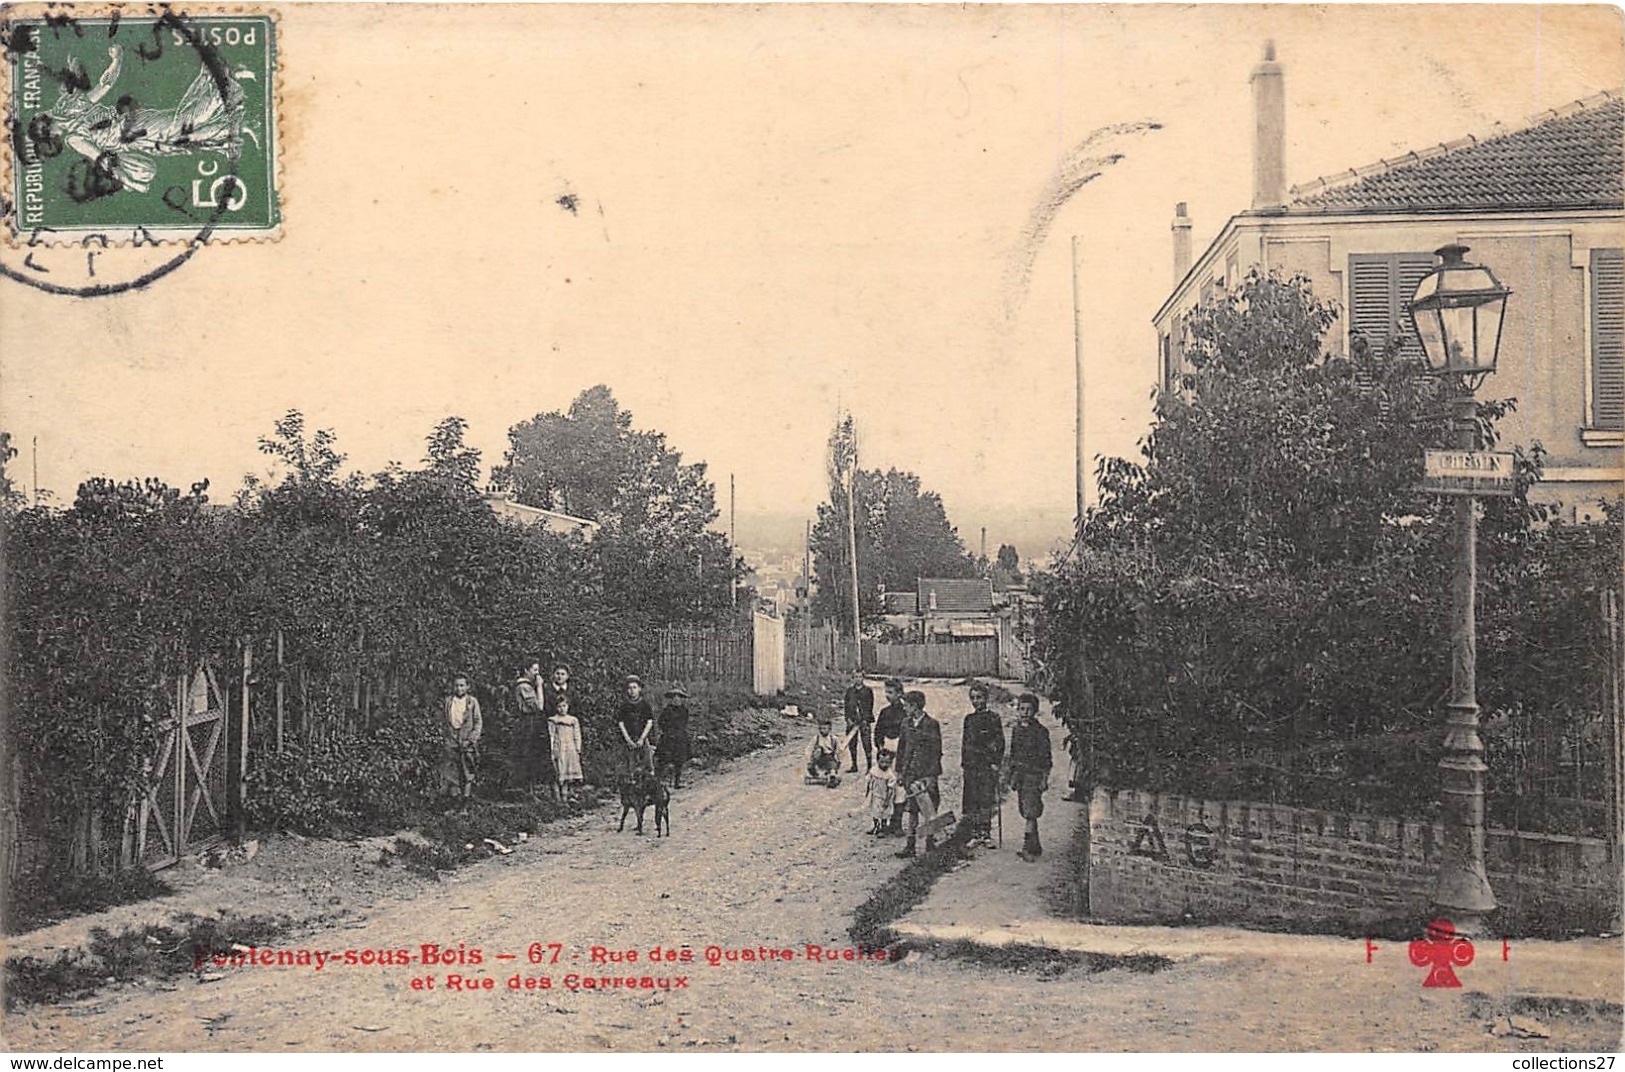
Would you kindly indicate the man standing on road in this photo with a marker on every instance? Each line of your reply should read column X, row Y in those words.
column 889, row 727
column 981, row 754
column 919, row 765
column 1028, row 770
column 859, row 705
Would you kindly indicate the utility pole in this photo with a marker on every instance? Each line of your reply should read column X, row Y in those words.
column 852, row 527
column 36, row 470
column 733, row 546
column 1077, row 357
column 806, row 570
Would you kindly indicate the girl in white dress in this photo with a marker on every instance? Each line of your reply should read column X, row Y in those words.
column 565, row 732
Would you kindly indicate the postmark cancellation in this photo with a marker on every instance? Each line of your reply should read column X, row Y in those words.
column 146, row 125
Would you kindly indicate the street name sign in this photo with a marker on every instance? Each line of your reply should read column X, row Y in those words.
column 1467, row 472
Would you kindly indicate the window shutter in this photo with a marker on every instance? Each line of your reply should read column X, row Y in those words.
column 1409, row 268
column 1608, row 338
column 1370, row 297
column 1380, row 285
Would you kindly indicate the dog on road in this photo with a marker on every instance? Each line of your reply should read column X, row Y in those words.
column 637, row 794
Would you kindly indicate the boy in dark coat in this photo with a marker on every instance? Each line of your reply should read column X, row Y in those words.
column 919, row 760
column 1028, row 770
column 858, row 704
column 981, row 754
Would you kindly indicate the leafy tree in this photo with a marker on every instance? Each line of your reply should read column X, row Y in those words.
column 1008, row 559
column 108, row 600
column 903, row 534
column 1257, row 608
column 657, row 548
column 590, row 462
column 11, row 496
column 449, row 460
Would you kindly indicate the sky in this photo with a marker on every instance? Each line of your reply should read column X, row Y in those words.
column 779, row 212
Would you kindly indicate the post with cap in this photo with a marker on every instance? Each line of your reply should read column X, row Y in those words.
column 1457, row 313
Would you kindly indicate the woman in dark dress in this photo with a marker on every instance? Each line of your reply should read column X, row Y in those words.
column 533, row 770
column 635, row 719
column 674, row 748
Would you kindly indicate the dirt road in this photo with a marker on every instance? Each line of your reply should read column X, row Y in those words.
column 756, row 861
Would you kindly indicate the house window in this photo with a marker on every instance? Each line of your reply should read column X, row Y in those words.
column 1608, row 339
column 1167, row 363
column 1379, row 286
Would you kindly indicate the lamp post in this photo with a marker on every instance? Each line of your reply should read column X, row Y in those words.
column 1457, row 311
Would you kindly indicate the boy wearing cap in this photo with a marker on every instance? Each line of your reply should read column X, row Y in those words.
column 919, row 762
column 674, row 749
column 1027, row 770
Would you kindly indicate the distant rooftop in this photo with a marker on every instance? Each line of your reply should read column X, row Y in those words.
column 1569, row 157
column 510, row 510
column 949, row 595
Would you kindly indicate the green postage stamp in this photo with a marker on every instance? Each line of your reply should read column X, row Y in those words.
column 140, row 124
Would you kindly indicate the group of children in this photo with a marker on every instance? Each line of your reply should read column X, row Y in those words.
column 902, row 795
column 546, row 741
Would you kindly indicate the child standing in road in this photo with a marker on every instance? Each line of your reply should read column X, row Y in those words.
column 981, row 756
column 881, row 791
column 565, row 730
column 1027, row 770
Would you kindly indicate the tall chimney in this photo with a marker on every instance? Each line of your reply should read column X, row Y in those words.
column 1269, row 133
column 1182, row 243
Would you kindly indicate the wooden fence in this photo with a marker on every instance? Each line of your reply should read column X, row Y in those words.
column 705, row 653
column 814, row 648
column 961, row 658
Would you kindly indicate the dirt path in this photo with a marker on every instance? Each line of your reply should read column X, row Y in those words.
column 756, row 860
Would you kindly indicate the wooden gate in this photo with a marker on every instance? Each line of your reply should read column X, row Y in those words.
column 767, row 655
column 184, row 806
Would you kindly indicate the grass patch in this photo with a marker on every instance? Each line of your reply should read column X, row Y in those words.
column 40, row 904
column 31, row 981
column 1045, row 962
column 150, row 951
column 872, row 920
column 456, row 837
column 423, row 858
column 1546, row 1009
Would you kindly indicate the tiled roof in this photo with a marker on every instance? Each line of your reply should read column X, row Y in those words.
column 1569, row 157
column 949, row 596
column 899, row 602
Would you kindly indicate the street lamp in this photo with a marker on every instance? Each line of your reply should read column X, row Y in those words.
column 1457, row 312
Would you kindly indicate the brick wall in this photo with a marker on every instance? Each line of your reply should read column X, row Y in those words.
column 1158, row 857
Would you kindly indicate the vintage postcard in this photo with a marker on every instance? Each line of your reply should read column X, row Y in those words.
column 812, row 528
